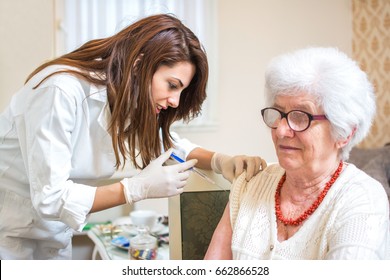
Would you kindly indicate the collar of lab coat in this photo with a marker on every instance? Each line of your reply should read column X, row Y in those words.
column 99, row 93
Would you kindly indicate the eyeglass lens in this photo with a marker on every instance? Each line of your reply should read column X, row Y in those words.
column 297, row 120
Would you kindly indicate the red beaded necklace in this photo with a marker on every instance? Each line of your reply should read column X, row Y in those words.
column 312, row 208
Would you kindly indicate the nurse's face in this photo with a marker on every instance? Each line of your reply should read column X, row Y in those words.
column 168, row 84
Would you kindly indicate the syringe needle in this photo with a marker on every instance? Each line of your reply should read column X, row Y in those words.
column 200, row 173
column 204, row 176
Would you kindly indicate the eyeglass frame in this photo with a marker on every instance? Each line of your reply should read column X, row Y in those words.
column 285, row 115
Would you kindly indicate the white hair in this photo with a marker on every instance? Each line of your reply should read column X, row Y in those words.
column 341, row 88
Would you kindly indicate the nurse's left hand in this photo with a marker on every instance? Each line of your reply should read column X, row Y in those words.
column 232, row 167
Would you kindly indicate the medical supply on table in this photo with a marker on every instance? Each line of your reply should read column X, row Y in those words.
column 200, row 173
column 143, row 246
column 121, row 242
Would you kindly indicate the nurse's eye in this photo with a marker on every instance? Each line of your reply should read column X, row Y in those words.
column 172, row 85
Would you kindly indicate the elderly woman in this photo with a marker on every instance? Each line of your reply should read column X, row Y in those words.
column 313, row 204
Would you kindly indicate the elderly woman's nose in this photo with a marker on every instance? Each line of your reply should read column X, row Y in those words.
column 284, row 129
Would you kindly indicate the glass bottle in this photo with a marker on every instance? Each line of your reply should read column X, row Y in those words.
column 143, row 246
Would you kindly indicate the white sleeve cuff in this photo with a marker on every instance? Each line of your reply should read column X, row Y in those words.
column 183, row 147
column 77, row 205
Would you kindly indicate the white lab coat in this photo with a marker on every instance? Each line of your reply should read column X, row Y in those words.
column 54, row 150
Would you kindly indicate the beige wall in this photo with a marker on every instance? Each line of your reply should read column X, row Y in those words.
column 251, row 32
column 26, row 32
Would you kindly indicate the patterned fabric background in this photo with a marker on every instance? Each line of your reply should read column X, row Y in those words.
column 371, row 48
column 200, row 214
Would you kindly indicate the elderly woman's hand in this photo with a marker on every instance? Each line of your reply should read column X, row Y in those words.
column 232, row 167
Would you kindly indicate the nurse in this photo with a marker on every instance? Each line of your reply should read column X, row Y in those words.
column 91, row 130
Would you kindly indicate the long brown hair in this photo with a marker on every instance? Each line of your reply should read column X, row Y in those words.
column 125, row 63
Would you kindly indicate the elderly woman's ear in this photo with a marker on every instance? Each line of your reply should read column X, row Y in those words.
column 341, row 143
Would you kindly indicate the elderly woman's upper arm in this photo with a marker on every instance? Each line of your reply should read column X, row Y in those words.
column 220, row 245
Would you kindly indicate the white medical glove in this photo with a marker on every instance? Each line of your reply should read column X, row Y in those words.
column 232, row 167
column 157, row 180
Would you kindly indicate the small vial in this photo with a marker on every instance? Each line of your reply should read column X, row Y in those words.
column 143, row 246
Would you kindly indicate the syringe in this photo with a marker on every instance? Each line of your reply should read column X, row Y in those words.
column 200, row 173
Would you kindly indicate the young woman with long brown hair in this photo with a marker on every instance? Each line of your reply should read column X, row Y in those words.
column 90, row 130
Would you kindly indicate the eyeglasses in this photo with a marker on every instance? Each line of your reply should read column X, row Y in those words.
column 297, row 120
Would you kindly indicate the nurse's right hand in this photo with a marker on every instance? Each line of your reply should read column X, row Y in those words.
column 157, row 180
